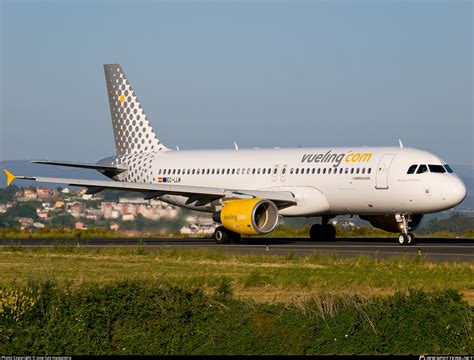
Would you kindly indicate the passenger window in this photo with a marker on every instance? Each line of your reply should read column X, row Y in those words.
column 193, row 171
column 212, row 172
column 291, row 171
column 174, row 171
column 341, row 170
column 228, row 171
column 313, row 170
column 269, row 170
column 352, row 170
column 263, row 171
column 422, row 169
column 307, row 170
column 319, row 171
column 363, row 170
column 324, row 170
column 275, row 170
column 253, row 171
column 297, row 171
column 238, row 171
column 436, row 168
column 233, row 171
column 448, row 168
column 346, row 170
column 329, row 170
column 248, row 171
column 302, row 171
column 258, row 171
column 357, row 170
column 411, row 169
column 283, row 171
column 369, row 170
column 159, row 172
column 179, row 171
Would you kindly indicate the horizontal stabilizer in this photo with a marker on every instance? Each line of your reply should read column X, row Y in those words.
column 116, row 169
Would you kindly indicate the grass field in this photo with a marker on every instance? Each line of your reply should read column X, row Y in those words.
column 72, row 300
column 279, row 232
column 261, row 278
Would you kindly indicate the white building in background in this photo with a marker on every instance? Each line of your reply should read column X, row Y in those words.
column 198, row 229
column 128, row 217
column 150, row 209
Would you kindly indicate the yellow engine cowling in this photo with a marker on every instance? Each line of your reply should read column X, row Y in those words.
column 248, row 216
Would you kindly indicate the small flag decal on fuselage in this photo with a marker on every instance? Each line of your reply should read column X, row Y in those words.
column 168, row 180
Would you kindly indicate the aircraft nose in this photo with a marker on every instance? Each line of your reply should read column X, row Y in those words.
column 456, row 192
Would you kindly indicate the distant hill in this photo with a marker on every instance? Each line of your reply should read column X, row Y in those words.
column 24, row 167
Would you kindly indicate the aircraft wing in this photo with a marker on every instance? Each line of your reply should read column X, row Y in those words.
column 280, row 198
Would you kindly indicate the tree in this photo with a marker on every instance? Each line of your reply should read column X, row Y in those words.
column 8, row 194
column 66, row 220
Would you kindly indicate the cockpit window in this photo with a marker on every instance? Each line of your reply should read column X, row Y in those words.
column 436, row 168
column 411, row 169
column 448, row 168
column 422, row 169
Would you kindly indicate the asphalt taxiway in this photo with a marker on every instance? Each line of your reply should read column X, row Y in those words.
column 456, row 249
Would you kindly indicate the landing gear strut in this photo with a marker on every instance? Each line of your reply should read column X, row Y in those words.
column 406, row 238
column 324, row 231
column 224, row 236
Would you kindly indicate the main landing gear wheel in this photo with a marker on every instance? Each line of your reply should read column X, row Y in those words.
column 224, row 236
column 221, row 235
column 314, row 231
column 319, row 232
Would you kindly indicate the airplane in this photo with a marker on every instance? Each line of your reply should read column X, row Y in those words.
column 247, row 190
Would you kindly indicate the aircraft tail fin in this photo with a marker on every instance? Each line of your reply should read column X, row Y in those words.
column 132, row 129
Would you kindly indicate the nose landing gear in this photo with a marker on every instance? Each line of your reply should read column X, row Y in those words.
column 405, row 238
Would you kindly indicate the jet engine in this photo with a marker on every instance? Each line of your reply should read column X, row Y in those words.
column 390, row 223
column 248, row 216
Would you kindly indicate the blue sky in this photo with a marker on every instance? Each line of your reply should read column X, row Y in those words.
column 263, row 74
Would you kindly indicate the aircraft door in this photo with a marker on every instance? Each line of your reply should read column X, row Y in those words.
column 381, row 176
column 283, row 173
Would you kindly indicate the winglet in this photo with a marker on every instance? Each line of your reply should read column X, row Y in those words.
column 10, row 177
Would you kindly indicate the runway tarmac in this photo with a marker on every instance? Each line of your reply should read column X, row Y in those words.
column 460, row 249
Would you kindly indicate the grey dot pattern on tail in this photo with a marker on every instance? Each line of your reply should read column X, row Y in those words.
column 133, row 132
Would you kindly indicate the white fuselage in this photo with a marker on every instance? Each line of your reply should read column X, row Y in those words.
column 332, row 181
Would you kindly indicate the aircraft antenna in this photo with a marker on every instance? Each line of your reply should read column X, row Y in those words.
column 400, row 142
column 236, row 146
